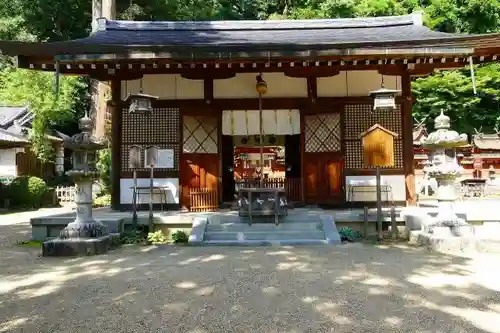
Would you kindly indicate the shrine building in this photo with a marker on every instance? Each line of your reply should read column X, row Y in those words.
column 316, row 83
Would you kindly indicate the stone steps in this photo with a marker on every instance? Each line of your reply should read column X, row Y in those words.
column 293, row 230
column 265, row 235
column 244, row 227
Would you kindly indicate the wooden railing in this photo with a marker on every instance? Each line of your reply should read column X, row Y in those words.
column 65, row 194
column 291, row 185
column 203, row 199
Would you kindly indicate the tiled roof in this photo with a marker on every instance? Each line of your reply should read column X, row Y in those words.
column 486, row 141
column 240, row 36
column 419, row 134
column 10, row 113
column 8, row 137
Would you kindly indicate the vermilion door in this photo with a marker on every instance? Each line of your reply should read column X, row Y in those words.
column 199, row 161
column 199, row 171
column 323, row 163
column 323, row 178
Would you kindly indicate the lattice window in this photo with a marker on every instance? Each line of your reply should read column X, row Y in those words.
column 322, row 133
column 360, row 117
column 199, row 135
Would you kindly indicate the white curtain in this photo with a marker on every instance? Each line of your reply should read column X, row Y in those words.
column 246, row 122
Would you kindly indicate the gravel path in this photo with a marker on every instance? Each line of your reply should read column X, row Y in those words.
column 352, row 288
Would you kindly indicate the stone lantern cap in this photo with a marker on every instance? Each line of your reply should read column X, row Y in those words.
column 443, row 137
column 84, row 140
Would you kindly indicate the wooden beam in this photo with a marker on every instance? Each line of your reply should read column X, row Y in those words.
column 199, row 74
column 116, row 142
column 322, row 103
column 306, row 72
column 208, row 90
column 312, row 89
column 408, row 164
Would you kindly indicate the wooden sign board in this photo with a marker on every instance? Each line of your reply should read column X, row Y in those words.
column 378, row 147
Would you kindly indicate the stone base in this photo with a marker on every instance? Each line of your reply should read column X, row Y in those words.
column 445, row 244
column 74, row 247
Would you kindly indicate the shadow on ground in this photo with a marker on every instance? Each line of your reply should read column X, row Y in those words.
column 351, row 288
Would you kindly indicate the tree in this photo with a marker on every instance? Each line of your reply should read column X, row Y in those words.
column 452, row 92
column 25, row 87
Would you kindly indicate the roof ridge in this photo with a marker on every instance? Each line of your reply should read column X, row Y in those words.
column 233, row 25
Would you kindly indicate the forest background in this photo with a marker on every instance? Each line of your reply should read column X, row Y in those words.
column 55, row 20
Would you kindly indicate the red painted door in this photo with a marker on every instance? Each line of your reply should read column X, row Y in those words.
column 323, row 178
column 198, row 171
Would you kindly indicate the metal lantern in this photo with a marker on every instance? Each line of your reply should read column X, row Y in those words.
column 151, row 156
column 384, row 99
column 134, row 159
column 140, row 103
column 261, row 85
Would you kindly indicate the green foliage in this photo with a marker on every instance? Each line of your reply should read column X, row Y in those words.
column 102, row 201
column 104, row 167
column 33, row 88
column 452, row 91
column 27, row 192
column 134, row 236
column 157, row 237
column 347, row 234
column 180, row 236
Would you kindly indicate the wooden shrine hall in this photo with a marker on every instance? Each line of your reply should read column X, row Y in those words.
column 323, row 78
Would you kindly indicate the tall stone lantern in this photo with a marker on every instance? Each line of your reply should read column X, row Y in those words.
column 85, row 235
column 445, row 168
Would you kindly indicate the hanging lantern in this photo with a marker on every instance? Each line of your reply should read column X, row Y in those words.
column 261, row 85
column 384, row 99
column 140, row 103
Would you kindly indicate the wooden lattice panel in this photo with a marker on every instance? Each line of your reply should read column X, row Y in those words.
column 360, row 117
column 322, row 133
column 199, row 134
column 161, row 128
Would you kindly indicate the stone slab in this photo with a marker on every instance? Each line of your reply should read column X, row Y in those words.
column 50, row 227
column 332, row 235
column 198, row 231
column 78, row 247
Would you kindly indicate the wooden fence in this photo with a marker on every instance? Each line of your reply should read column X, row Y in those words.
column 65, row 194
column 203, row 199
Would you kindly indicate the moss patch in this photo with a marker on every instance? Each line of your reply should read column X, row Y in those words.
column 29, row 243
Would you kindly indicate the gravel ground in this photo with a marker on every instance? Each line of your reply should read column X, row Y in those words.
column 351, row 288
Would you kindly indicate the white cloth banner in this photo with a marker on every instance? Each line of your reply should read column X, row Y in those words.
column 246, row 122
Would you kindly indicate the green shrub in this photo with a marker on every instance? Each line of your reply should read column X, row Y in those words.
column 104, row 167
column 347, row 234
column 134, row 236
column 157, row 237
column 180, row 236
column 102, row 201
column 27, row 192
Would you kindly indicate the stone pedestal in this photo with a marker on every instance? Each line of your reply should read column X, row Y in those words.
column 84, row 236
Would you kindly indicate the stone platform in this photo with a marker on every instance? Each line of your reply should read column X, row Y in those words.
column 73, row 247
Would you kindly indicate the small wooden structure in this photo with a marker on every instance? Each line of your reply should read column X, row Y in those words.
column 378, row 146
column 262, row 202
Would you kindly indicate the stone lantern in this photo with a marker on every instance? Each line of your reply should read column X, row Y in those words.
column 85, row 235
column 445, row 169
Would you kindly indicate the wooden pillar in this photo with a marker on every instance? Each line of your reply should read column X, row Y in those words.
column 409, row 165
column 116, row 142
